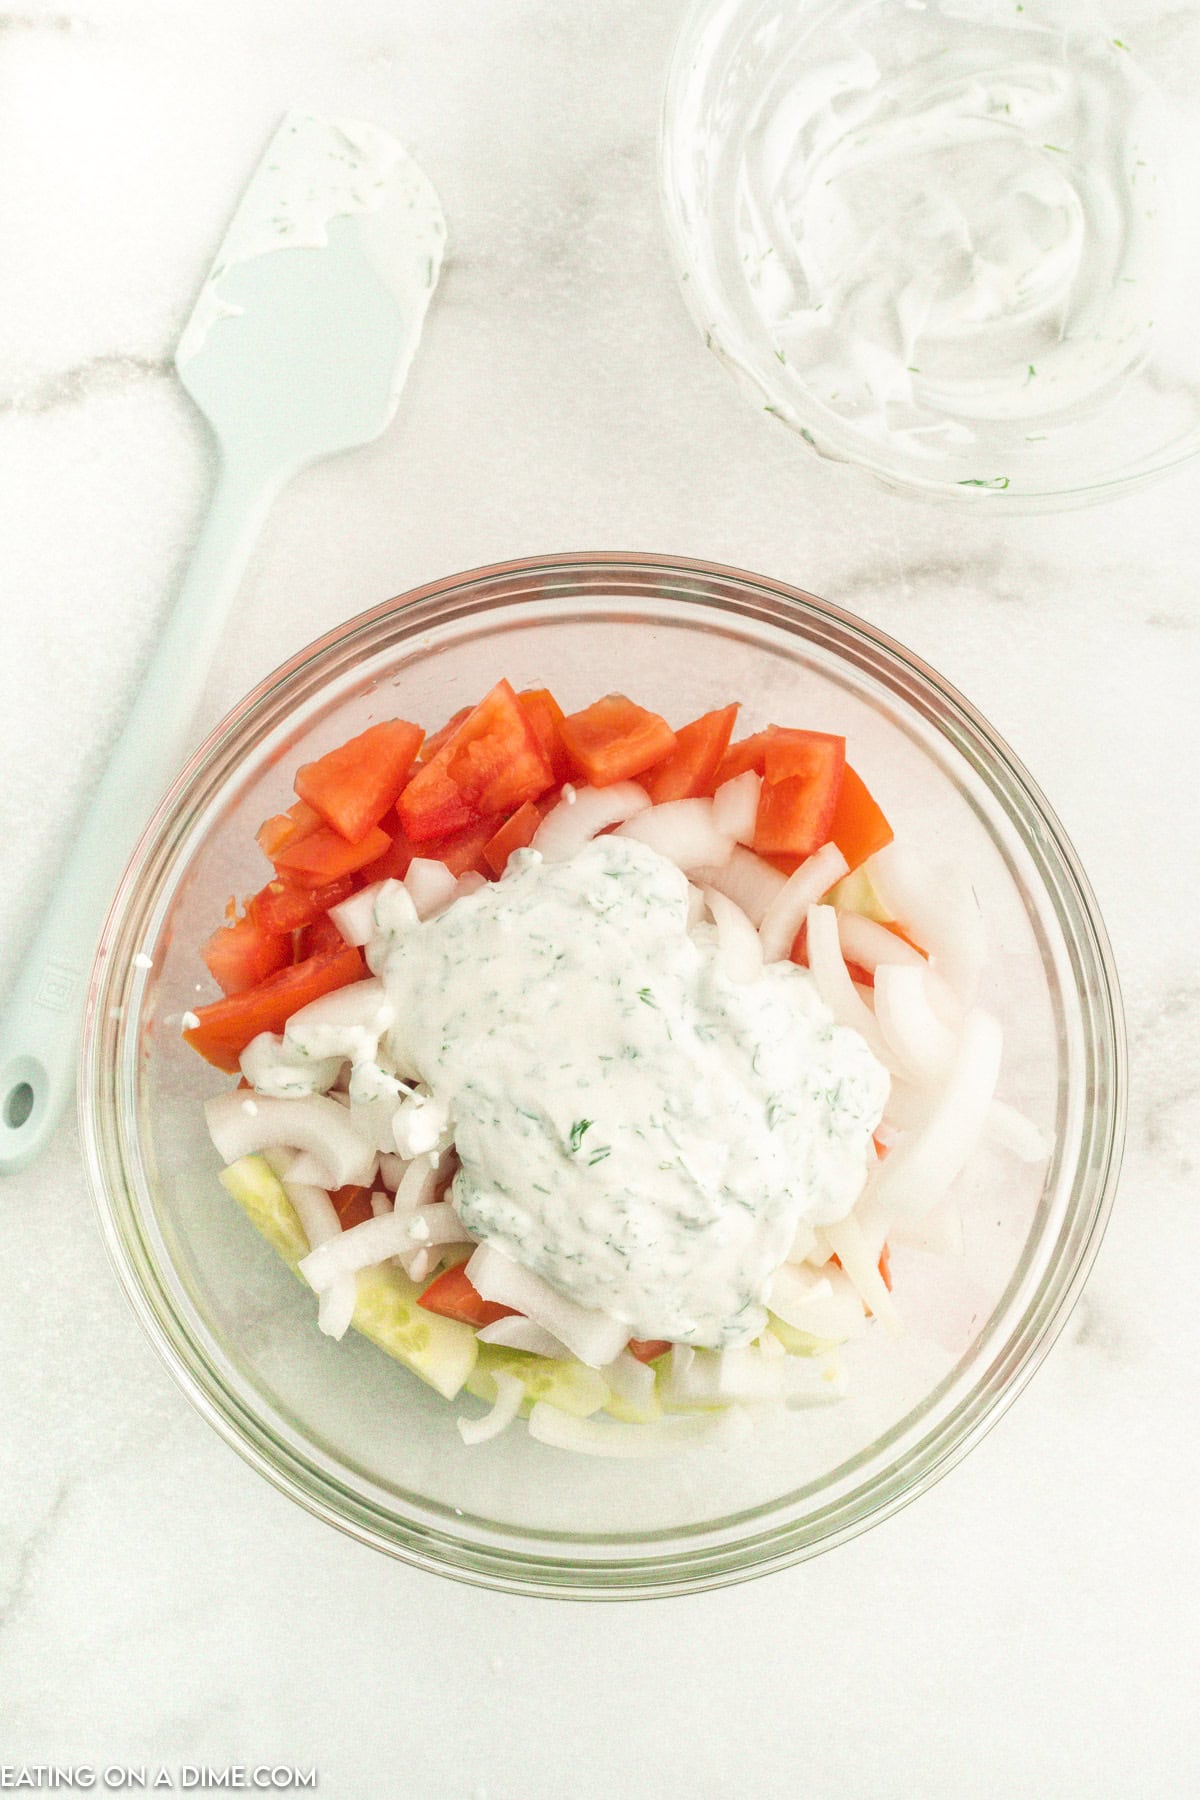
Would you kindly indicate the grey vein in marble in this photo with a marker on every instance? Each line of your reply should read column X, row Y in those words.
column 67, row 387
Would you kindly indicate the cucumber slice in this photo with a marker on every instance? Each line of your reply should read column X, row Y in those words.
column 632, row 1414
column 799, row 1343
column 856, row 893
column 258, row 1191
column 570, row 1386
column 441, row 1351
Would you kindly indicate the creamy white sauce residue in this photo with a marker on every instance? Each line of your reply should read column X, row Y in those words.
column 639, row 1130
column 315, row 170
column 948, row 219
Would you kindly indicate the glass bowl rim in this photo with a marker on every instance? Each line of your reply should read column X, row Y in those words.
column 318, row 1488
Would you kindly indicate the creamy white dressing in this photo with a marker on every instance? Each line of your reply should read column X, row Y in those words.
column 636, row 1128
column 315, row 170
column 948, row 222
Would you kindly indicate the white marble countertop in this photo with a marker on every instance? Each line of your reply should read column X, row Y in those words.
column 1028, row 1627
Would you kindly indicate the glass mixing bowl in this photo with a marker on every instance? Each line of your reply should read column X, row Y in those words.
column 347, row 1431
column 936, row 238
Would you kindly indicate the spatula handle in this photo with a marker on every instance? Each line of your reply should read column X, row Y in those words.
column 40, row 1021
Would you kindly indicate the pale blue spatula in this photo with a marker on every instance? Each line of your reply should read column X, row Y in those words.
column 298, row 348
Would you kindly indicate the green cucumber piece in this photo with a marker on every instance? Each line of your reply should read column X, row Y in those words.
column 856, row 893
column 570, row 1386
column 799, row 1343
column 258, row 1191
column 441, row 1351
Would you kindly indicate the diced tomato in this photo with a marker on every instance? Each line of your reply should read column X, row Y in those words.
column 466, row 849
column 646, row 1349
column 353, row 786
column 802, row 774
column 747, row 753
column 486, row 768
column 454, row 1295
column 858, row 826
column 614, row 739
column 432, row 745
column 699, row 748
column 392, row 865
column 275, row 834
column 546, row 717
column 352, row 1205
column 241, row 955
column 324, row 856
column 321, row 935
column 224, row 1028
column 282, row 906
column 514, row 834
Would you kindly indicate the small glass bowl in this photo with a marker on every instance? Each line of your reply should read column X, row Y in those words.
column 347, row 1431
column 874, row 234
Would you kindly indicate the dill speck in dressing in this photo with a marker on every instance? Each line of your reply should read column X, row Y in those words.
column 636, row 1128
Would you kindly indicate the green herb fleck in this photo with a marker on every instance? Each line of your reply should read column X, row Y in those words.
column 808, row 437
column 599, row 1155
column 577, row 1131
column 647, row 998
column 996, row 482
column 1057, row 148
column 1120, row 44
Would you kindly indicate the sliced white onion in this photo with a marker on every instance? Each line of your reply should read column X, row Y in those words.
column 570, row 824
column 391, row 1170
column 281, row 1072
column 749, row 882
column 717, row 1377
column 867, row 943
column 941, row 912
column 682, row 831
column 469, row 882
column 436, row 1224
column 417, row 1264
column 735, row 806
column 321, row 1225
column 939, row 1232
column 316, row 1124
column 740, row 945
column 418, row 1187
column 335, row 1306
column 1015, row 1132
column 592, row 1336
column 834, row 985
column 919, row 1171
column 431, row 886
column 787, row 911
column 355, row 917
column 380, row 1204
column 850, row 1246
column 822, row 1303
column 658, row 1437
column 695, row 907
column 923, row 1046
column 349, row 1022
column 804, row 1242
column 510, row 1391
column 629, row 1379
column 516, row 1332
column 315, row 1210
column 359, row 1248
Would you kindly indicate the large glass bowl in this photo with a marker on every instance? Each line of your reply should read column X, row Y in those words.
column 347, row 1431
column 876, row 237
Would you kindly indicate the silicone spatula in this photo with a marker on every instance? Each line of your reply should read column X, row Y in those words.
column 298, row 347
